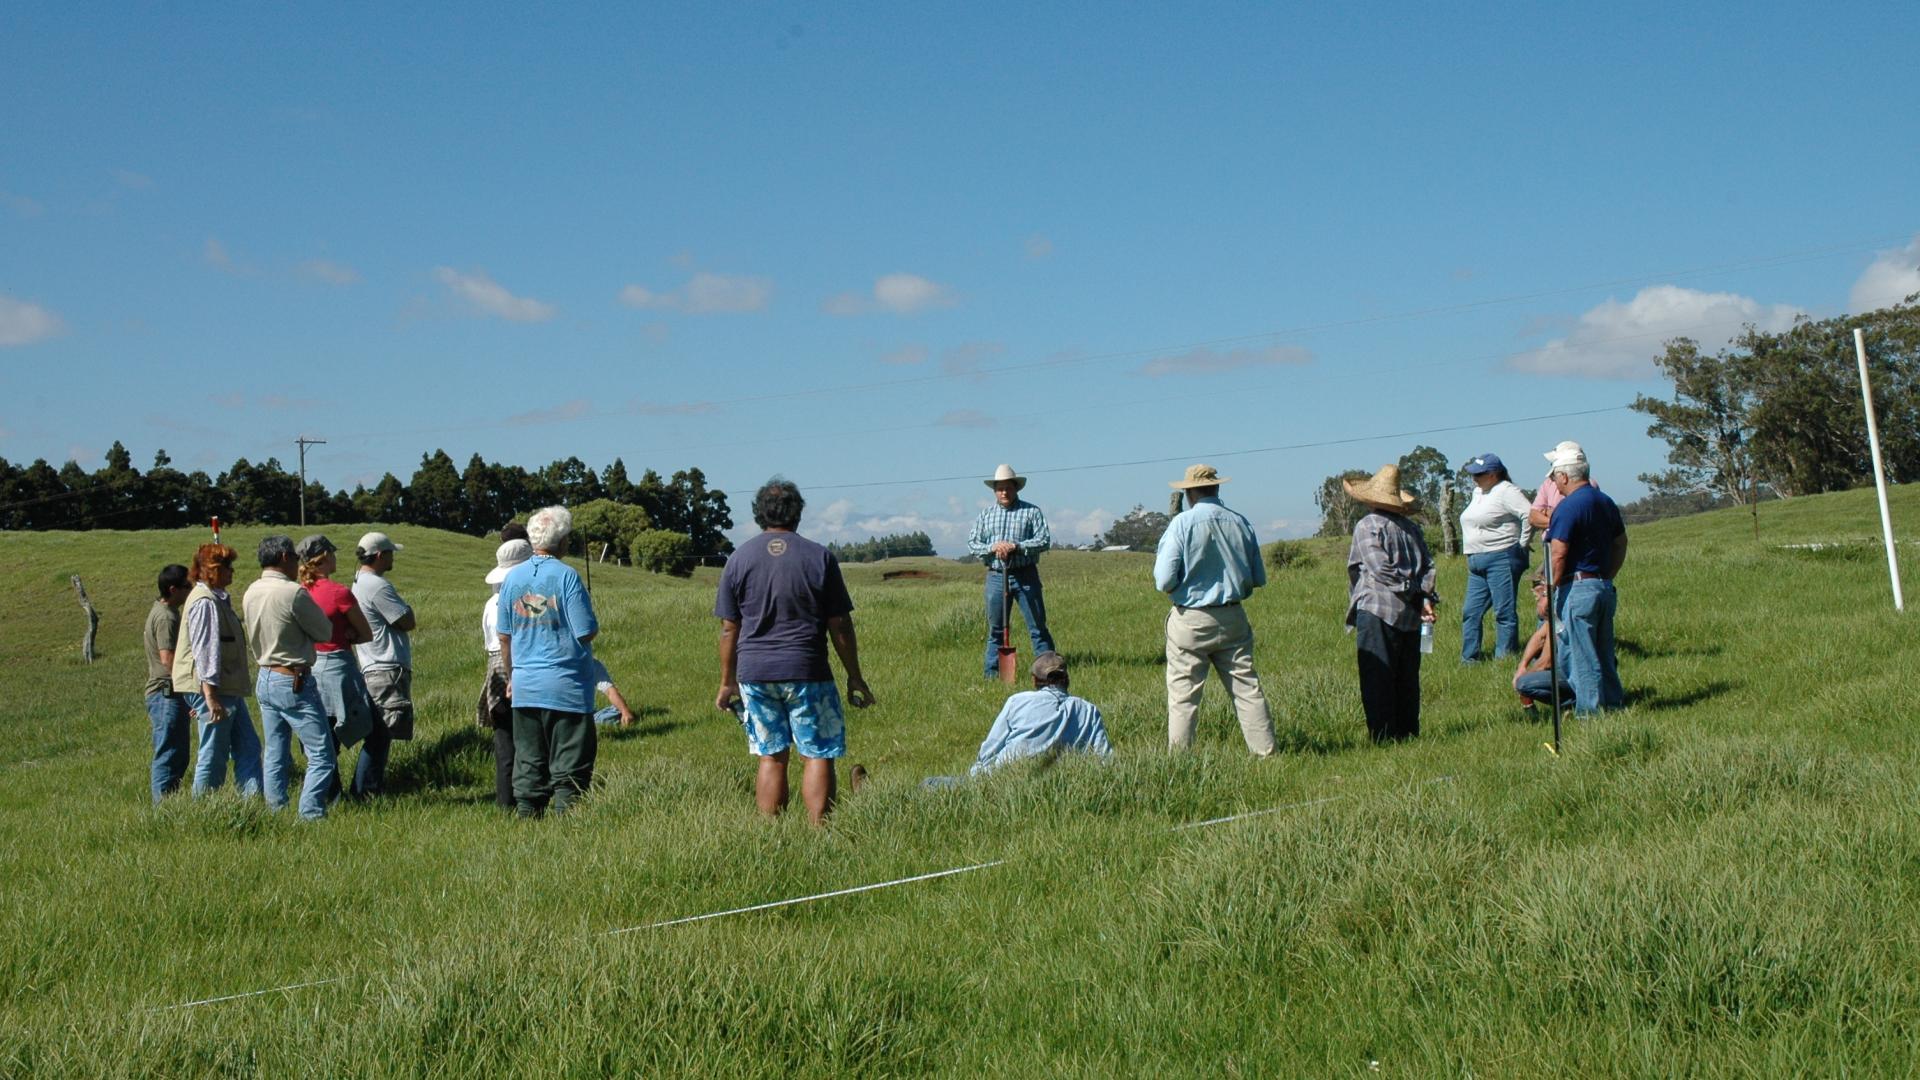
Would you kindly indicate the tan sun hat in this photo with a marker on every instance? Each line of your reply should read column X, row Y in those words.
column 1381, row 491
column 1005, row 473
column 1199, row 476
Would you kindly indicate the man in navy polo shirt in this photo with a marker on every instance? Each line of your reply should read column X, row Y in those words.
column 781, row 599
column 1587, row 543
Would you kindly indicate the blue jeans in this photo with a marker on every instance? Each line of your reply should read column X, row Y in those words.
column 172, row 742
column 1538, row 685
column 1586, row 610
column 1491, row 580
column 1033, row 608
column 232, row 738
column 286, row 715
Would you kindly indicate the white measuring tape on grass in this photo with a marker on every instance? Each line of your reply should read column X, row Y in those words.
column 789, row 902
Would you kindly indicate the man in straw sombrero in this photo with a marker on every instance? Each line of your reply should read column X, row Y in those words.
column 1009, row 537
column 1208, row 562
column 1390, row 576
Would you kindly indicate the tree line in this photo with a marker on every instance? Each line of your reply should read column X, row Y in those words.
column 892, row 545
column 609, row 507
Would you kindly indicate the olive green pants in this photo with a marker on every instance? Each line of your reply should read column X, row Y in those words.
column 553, row 755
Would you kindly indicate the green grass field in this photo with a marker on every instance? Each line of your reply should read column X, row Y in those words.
column 1720, row 880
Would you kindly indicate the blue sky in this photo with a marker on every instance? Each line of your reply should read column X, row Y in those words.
column 869, row 247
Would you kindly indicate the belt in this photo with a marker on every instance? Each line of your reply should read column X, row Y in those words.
column 1582, row 575
column 1210, row 607
column 298, row 674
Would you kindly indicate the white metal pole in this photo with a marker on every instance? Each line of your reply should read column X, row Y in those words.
column 1879, row 469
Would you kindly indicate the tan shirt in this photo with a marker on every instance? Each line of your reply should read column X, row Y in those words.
column 282, row 622
column 163, row 629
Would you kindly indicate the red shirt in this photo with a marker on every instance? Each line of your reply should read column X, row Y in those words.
column 335, row 601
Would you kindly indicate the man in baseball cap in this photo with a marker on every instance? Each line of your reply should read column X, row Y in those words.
column 1548, row 496
column 1046, row 720
column 386, row 661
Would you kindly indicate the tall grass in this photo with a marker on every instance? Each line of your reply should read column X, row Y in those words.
column 1718, row 880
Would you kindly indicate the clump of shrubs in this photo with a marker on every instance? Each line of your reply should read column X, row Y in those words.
column 1290, row 555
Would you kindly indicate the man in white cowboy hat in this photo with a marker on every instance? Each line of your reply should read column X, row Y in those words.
column 1390, row 579
column 1207, row 563
column 1586, row 546
column 1009, row 537
column 1549, row 496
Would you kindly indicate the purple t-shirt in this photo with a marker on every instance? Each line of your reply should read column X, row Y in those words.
column 782, row 588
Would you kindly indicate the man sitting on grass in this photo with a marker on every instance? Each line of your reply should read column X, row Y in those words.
column 1533, row 679
column 1043, row 721
column 618, row 712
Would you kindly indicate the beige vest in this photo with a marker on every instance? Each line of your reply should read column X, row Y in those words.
column 233, row 649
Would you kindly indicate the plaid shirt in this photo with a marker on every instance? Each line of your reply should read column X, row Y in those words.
column 1023, row 524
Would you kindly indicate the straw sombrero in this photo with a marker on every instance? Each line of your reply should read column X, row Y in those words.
column 1381, row 491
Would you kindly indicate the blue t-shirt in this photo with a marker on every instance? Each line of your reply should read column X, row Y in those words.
column 1587, row 521
column 545, row 612
column 782, row 588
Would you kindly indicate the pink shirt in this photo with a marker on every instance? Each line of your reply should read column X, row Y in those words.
column 1549, row 495
column 335, row 601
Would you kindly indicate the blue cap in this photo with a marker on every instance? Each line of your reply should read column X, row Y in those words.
column 1485, row 463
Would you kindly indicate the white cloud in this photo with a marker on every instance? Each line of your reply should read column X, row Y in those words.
column 965, row 418
column 969, row 357
column 20, row 204
column 1205, row 361
column 1080, row 528
column 131, row 180
column 1038, row 246
column 485, row 295
column 906, row 354
column 1616, row 340
column 1892, row 277
column 216, row 254
column 23, row 322
column 329, row 272
column 566, row 410
column 705, row 293
column 899, row 293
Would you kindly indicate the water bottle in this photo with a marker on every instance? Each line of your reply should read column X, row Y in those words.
column 1426, row 637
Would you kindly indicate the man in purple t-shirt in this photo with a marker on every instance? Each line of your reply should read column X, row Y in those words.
column 781, row 598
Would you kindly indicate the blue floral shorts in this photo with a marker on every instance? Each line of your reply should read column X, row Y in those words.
column 777, row 715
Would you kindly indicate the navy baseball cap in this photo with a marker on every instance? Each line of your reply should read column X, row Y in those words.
column 1485, row 463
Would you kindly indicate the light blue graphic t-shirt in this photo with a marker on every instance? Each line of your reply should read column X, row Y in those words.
column 544, row 611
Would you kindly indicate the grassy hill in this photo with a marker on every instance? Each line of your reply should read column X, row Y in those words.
column 1719, row 880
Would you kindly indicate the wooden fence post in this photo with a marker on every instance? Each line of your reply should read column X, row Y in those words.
column 93, row 620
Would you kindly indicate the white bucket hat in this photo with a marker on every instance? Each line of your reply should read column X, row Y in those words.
column 506, row 557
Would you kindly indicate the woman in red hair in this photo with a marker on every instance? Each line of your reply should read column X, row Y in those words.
column 210, row 670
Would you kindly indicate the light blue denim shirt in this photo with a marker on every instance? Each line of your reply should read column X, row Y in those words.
column 1208, row 557
column 1042, row 721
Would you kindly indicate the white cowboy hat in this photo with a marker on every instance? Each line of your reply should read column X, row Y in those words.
column 1005, row 473
column 1381, row 491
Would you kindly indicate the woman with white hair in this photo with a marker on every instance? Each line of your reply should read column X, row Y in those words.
column 546, row 630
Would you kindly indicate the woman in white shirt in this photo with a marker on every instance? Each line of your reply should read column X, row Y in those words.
column 1494, row 532
column 493, row 710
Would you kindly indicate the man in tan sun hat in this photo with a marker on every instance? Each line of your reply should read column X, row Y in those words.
column 1009, row 537
column 1390, row 594
column 1208, row 562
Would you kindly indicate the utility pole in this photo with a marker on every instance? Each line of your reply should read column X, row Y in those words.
column 303, row 442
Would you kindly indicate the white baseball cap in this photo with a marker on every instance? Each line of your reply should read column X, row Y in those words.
column 376, row 541
column 1566, row 448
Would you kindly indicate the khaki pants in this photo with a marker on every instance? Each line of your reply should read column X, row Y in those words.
column 1221, row 638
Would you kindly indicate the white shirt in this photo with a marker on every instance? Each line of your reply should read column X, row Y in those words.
column 1495, row 519
column 490, row 624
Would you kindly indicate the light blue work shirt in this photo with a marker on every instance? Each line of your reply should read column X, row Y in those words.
column 545, row 612
column 1208, row 557
column 1048, row 720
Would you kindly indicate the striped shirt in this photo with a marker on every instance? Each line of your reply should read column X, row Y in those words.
column 1022, row 524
